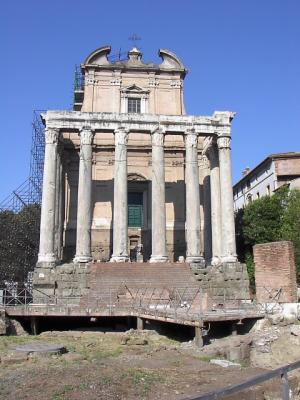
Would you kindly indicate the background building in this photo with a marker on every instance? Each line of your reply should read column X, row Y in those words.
column 274, row 171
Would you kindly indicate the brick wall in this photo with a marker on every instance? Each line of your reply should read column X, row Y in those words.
column 275, row 272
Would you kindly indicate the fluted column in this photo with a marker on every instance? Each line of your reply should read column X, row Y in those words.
column 227, row 216
column 120, row 222
column 84, row 206
column 215, row 202
column 193, row 238
column 47, row 230
column 159, row 251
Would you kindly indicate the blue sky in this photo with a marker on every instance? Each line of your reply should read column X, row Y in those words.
column 242, row 55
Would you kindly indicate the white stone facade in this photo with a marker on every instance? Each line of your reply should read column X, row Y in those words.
column 177, row 165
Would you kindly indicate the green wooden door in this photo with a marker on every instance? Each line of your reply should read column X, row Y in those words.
column 135, row 209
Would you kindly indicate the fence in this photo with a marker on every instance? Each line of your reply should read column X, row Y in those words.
column 176, row 304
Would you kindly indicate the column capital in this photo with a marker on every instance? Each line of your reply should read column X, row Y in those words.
column 158, row 136
column 86, row 135
column 191, row 138
column 212, row 154
column 224, row 142
column 121, row 135
column 51, row 135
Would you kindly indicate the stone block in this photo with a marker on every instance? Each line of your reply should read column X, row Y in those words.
column 3, row 323
column 14, row 357
column 15, row 328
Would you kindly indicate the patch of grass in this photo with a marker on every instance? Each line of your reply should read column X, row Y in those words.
column 60, row 394
column 106, row 380
column 205, row 358
column 143, row 379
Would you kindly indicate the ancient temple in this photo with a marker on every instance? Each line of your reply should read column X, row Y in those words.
column 129, row 176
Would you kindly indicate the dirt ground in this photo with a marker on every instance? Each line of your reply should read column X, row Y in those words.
column 126, row 366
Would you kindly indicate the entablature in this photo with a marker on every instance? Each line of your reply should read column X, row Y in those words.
column 217, row 125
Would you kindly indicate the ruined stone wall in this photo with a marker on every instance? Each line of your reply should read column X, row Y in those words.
column 67, row 280
column 227, row 284
column 224, row 284
column 275, row 272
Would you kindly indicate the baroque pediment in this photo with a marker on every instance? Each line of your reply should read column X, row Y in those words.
column 134, row 89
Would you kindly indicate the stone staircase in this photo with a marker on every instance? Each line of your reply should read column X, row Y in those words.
column 122, row 282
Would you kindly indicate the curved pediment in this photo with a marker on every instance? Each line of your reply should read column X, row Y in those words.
column 99, row 56
column 170, row 59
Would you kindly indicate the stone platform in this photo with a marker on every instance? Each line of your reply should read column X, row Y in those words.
column 94, row 282
column 169, row 292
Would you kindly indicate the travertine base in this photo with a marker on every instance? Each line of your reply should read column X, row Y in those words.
column 158, row 259
column 226, row 283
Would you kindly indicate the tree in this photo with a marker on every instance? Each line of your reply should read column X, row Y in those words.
column 262, row 218
column 267, row 219
column 290, row 227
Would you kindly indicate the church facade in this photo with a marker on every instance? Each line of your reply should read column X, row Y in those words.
column 129, row 176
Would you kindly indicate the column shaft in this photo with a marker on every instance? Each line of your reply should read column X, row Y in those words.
column 47, row 245
column 61, row 208
column 227, row 218
column 84, row 206
column 120, row 218
column 159, row 251
column 193, row 239
column 58, row 205
column 215, row 201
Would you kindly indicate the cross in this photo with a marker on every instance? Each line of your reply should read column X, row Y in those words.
column 134, row 38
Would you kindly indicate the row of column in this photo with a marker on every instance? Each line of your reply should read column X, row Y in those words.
column 222, row 210
column 222, row 218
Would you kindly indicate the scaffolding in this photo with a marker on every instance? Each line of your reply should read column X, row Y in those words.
column 30, row 191
column 20, row 215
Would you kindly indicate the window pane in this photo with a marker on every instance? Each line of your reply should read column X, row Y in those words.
column 134, row 105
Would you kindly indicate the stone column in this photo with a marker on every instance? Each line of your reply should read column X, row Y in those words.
column 227, row 216
column 193, row 239
column 215, row 202
column 58, row 204
column 84, row 206
column 47, row 230
column 159, row 251
column 120, row 222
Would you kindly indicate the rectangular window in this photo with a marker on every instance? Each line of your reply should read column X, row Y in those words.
column 134, row 105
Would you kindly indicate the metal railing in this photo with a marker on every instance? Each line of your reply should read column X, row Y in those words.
column 280, row 372
column 186, row 303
